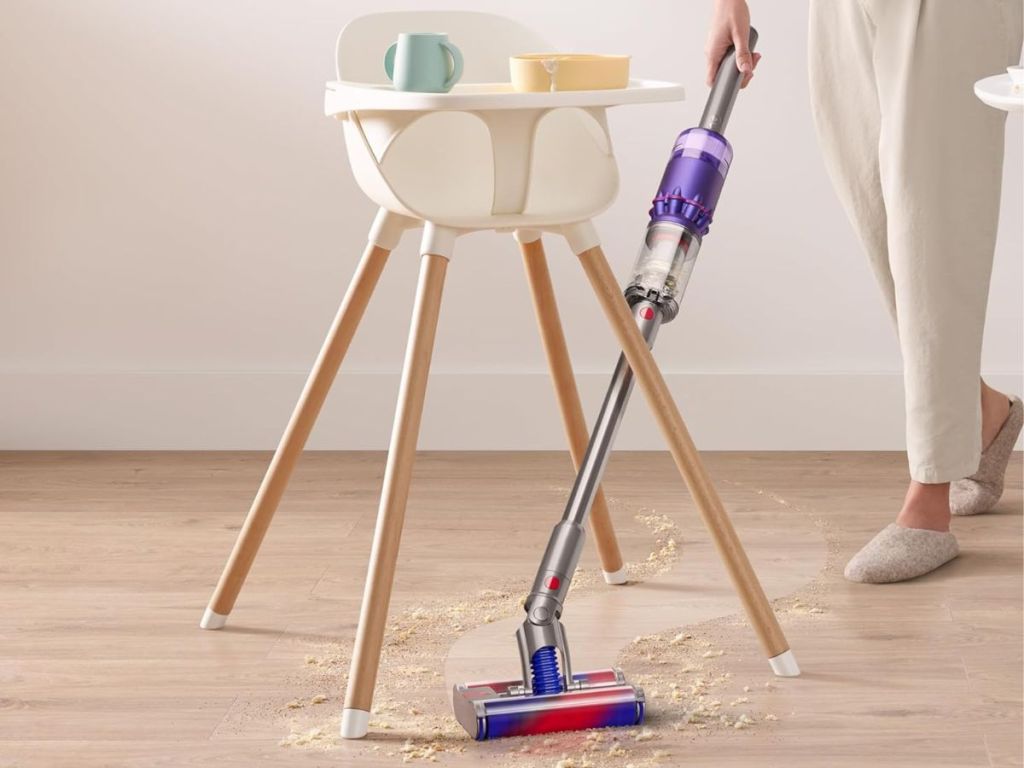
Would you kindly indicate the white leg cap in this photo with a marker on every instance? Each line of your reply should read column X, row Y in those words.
column 354, row 723
column 616, row 577
column 784, row 665
column 213, row 620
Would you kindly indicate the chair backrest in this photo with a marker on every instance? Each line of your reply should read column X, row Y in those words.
column 486, row 42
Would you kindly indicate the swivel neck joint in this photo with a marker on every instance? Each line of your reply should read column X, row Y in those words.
column 551, row 584
column 542, row 628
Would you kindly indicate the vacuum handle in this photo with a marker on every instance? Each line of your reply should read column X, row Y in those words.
column 723, row 92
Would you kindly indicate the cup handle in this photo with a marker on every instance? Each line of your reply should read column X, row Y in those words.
column 389, row 61
column 456, row 55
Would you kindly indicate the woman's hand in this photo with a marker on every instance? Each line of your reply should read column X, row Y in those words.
column 730, row 25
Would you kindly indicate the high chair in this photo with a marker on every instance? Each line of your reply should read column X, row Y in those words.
column 481, row 157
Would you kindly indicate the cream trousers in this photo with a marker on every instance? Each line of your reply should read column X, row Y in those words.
column 917, row 162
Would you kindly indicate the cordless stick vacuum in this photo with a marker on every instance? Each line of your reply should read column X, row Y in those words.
column 548, row 698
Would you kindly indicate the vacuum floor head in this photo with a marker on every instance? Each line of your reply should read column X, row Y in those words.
column 597, row 699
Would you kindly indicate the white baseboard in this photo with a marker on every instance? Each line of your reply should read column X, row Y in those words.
column 464, row 411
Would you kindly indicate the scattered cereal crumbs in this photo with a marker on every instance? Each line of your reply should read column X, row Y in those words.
column 686, row 688
column 419, row 670
column 294, row 704
column 572, row 762
column 657, row 523
column 411, row 751
column 743, row 721
column 740, row 700
column 303, row 738
column 770, row 716
column 318, row 699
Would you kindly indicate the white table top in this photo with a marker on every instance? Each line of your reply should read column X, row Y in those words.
column 998, row 91
column 347, row 97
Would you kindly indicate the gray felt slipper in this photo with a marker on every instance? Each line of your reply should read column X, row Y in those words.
column 897, row 554
column 980, row 492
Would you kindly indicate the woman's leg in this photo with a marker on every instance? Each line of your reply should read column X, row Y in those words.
column 847, row 115
column 940, row 157
column 917, row 163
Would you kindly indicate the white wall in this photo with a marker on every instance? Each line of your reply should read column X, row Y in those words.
column 178, row 222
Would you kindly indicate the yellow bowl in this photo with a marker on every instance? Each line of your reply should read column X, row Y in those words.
column 568, row 72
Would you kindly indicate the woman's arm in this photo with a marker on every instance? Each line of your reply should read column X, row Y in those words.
column 730, row 25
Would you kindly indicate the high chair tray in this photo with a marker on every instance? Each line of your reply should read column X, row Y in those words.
column 344, row 96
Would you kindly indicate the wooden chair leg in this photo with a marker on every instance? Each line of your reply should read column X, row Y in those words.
column 295, row 435
column 391, row 514
column 686, row 458
column 546, row 308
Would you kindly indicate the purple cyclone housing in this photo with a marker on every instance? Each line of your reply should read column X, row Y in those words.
column 680, row 217
column 693, row 180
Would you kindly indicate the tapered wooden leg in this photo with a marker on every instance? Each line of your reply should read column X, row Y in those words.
column 546, row 308
column 686, row 458
column 294, row 439
column 391, row 514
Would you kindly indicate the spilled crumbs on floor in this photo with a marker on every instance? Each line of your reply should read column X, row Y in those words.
column 687, row 684
column 664, row 554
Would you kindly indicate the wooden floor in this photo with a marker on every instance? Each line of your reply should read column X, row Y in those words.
column 107, row 560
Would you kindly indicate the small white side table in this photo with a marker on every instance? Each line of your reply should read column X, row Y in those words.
column 1001, row 92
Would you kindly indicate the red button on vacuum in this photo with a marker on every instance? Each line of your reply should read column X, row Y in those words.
column 552, row 582
column 646, row 313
